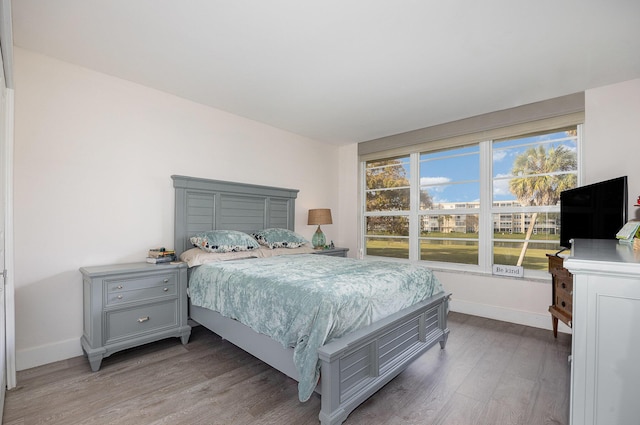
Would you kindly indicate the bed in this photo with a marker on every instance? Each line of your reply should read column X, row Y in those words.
column 353, row 366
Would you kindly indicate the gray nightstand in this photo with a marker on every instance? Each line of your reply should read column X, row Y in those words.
column 334, row 252
column 126, row 305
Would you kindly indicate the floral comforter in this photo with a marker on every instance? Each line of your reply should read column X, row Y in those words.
column 306, row 300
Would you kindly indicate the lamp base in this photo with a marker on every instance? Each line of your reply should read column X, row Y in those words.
column 318, row 240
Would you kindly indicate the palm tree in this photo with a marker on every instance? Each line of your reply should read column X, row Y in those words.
column 539, row 180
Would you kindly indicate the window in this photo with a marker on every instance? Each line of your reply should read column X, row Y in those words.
column 472, row 206
column 387, row 206
column 449, row 202
column 528, row 175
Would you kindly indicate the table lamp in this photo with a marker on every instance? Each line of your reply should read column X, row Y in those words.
column 319, row 216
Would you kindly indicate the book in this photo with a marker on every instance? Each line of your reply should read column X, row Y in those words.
column 629, row 241
column 160, row 252
column 628, row 231
column 160, row 260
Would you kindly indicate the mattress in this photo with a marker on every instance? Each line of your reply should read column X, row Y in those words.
column 304, row 301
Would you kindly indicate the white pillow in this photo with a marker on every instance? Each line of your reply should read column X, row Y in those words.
column 196, row 256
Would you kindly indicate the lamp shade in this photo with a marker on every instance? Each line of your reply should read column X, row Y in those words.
column 320, row 216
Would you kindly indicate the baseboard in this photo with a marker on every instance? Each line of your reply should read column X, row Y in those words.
column 45, row 354
column 527, row 318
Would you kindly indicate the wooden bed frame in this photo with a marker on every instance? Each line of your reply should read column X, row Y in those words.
column 353, row 367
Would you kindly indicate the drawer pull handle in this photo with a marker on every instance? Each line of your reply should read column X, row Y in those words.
column 166, row 280
column 563, row 304
column 143, row 319
column 165, row 289
column 119, row 287
column 119, row 297
column 564, row 285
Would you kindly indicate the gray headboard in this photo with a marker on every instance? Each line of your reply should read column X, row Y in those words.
column 203, row 204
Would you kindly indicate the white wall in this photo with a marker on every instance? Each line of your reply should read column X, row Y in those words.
column 612, row 133
column 348, row 190
column 93, row 160
column 611, row 149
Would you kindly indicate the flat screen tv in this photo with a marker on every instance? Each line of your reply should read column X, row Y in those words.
column 595, row 211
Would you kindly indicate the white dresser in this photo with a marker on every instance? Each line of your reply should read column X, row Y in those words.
column 605, row 368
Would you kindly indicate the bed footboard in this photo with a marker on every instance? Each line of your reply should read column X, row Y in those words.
column 356, row 366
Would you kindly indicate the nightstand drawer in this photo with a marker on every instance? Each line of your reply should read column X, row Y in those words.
column 122, row 296
column 562, row 274
column 556, row 264
column 135, row 282
column 564, row 301
column 124, row 323
column 565, row 284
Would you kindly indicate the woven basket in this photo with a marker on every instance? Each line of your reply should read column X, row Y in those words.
column 636, row 244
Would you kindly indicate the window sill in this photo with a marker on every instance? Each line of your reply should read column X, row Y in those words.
column 461, row 269
column 536, row 279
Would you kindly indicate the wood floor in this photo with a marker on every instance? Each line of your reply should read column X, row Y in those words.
column 491, row 372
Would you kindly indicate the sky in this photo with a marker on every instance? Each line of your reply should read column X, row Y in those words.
column 454, row 174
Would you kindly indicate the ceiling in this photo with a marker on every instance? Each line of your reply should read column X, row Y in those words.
column 344, row 71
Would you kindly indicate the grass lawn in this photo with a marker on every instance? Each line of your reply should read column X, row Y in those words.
column 466, row 252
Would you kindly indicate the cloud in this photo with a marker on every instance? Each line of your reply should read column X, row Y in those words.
column 499, row 155
column 501, row 186
column 440, row 201
column 436, row 185
column 424, row 181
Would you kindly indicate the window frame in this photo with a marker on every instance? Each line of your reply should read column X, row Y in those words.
column 486, row 210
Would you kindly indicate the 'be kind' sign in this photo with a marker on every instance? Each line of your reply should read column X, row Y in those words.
column 511, row 271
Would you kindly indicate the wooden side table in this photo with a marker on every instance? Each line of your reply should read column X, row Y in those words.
column 561, row 307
